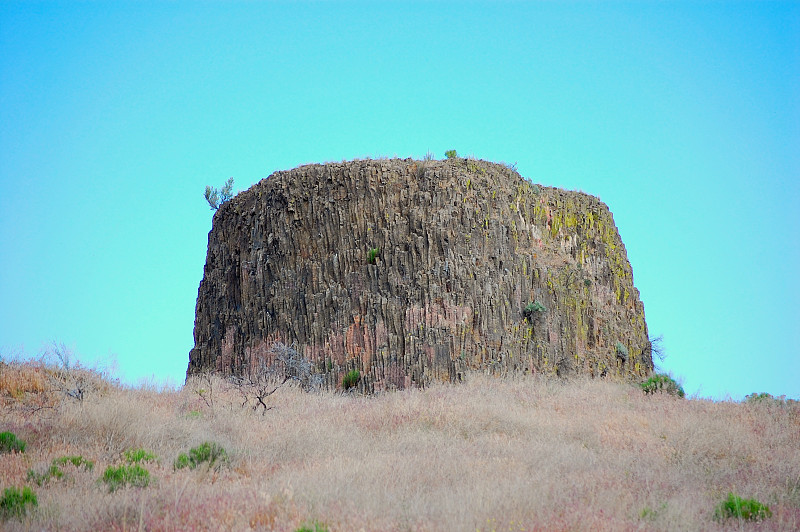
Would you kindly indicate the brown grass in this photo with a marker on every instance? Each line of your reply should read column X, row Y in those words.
column 491, row 454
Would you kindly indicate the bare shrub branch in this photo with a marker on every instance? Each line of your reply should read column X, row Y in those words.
column 265, row 380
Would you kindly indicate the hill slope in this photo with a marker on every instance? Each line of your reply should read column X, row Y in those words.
column 524, row 453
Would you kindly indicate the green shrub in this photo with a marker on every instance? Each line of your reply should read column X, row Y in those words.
column 134, row 456
column 207, row 452
column 373, row 254
column 748, row 509
column 351, row 379
column 15, row 502
column 182, row 461
column 451, row 154
column 532, row 310
column 663, row 383
column 126, row 475
column 10, row 443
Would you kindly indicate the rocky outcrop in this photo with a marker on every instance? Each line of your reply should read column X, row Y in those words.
column 417, row 270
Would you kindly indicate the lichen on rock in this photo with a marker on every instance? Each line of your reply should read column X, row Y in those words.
column 411, row 271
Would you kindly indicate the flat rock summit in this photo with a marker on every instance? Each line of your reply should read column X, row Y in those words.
column 412, row 271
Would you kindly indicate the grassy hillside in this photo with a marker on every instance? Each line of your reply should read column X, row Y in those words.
column 512, row 454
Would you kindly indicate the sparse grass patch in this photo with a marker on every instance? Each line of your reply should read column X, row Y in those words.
column 10, row 443
column 55, row 471
column 209, row 453
column 15, row 503
column 312, row 527
column 747, row 509
column 77, row 461
column 42, row 478
column 126, row 475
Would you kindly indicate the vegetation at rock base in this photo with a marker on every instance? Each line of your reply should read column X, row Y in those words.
column 514, row 453
column 351, row 379
column 662, row 383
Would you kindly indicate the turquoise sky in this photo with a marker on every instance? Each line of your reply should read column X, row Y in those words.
column 683, row 117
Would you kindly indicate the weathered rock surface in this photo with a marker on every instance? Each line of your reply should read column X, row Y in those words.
column 464, row 247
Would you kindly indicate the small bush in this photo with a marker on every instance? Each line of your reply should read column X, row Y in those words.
column 663, row 383
column 126, row 475
column 451, row 154
column 134, row 456
column 350, row 379
column 10, row 443
column 747, row 509
column 15, row 502
column 373, row 254
column 532, row 310
column 207, row 452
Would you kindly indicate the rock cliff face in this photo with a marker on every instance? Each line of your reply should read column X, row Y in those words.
column 413, row 271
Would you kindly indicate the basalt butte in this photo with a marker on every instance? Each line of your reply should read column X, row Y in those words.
column 413, row 271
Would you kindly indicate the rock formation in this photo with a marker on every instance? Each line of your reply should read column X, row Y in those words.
column 412, row 271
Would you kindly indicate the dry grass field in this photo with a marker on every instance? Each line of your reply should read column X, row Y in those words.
column 510, row 454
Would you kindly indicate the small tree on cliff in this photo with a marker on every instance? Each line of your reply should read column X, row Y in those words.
column 216, row 197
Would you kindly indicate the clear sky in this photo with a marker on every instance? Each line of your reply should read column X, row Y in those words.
column 683, row 117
